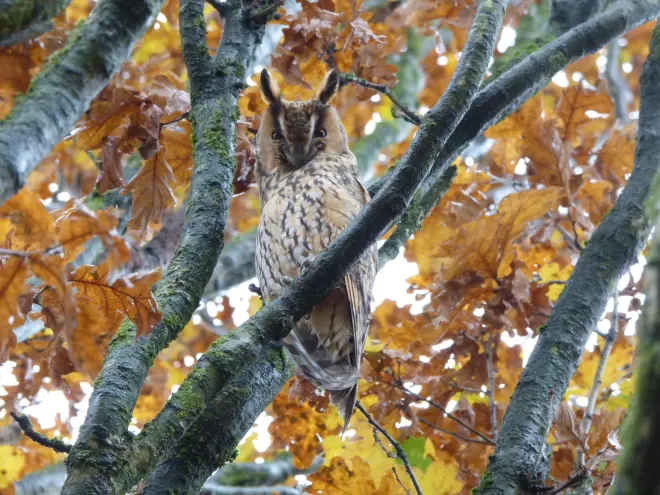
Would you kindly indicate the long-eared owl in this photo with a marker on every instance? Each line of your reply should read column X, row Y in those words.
column 310, row 190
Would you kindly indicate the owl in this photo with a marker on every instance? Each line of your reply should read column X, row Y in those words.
column 309, row 189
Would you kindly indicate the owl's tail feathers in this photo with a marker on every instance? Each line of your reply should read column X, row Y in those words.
column 345, row 401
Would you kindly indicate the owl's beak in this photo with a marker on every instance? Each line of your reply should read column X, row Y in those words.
column 299, row 153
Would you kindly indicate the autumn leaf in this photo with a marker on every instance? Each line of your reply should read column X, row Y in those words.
column 152, row 192
column 76, row 225
column 14, row 273
column 112, row 172
column 130, row 296
column 32, row 223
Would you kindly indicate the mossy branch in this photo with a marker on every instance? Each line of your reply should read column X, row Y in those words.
column 99, row 456
column 614, row 246
column 22, row 20
column 65, row 87
column 638, row 472
column 212, row 440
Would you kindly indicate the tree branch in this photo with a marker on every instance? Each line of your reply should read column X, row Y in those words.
column 22, row 20
column 100, row 451
column 400, row 453
column 489, row 349
column 458, row 420
column 616, row 84
column 613, row 247
column 610, row 338
column 408, row 114
column 26, row 425
column 64, row 88
column 638, row 472
column 214, row 436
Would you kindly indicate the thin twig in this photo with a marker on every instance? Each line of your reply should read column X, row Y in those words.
column 26, row 425
column 616, row 84
column 396, row 475
column 438, row 406
column 408, row 114
column 451, row 433
column 488, row 347
column 178, row 119
column 574, row 479
column 610, row 338
column 400, row 453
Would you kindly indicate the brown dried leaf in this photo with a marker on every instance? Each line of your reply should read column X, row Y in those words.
column 112, row 173
column 130, row 295
column 76, row 225
column 14, row 273
column 152, row 192
column 33, row 224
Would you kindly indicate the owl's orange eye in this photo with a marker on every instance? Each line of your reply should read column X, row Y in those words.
column 320, row 132
column 277, row 135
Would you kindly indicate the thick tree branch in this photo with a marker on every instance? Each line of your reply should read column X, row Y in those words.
column 98, row 454
column 638, row 471
column 213, row 438
column 418, row 210
column 613, row 247
column 64, row 88
column 22, row 20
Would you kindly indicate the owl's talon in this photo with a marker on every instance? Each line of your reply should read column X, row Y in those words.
column 286, row 280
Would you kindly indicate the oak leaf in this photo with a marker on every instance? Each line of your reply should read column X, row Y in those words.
column 152, row 192
column 130, row 295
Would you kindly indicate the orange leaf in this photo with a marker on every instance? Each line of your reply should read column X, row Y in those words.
column 152, row 192
column 130, row 296
column 76, row 225
column 13, row 276
column 33, row 223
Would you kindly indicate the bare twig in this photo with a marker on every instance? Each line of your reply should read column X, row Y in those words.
column 400, row 453
column 396, row 475
column 489, row 348
column 26, row 425
column 574, row 479
column 616, row 84
column 610, row 338
column 451, row 433
column 215, row 489
column 439, row 407
column 408, row 114
column 174, row 121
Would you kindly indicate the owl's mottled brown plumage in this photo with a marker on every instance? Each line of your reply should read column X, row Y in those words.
column 310, row 191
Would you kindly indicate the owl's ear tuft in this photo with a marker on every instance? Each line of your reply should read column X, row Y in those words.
column 330, row 87
column 270, row 91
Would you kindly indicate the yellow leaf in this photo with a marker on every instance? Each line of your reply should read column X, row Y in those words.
column 12, row 465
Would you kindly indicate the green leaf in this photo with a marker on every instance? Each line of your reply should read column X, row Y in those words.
column 414, row 449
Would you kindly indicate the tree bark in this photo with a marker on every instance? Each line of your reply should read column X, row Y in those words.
column 22, row 20
column 521, row 458
column 100, row 452
column 638, row 472
column 212, row 440
column 65, row 87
